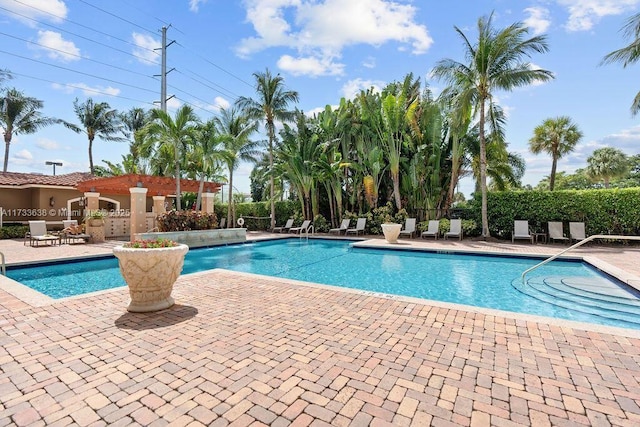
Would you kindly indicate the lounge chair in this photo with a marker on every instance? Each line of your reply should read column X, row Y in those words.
column 286, row 227
column 306, row 224
column 576, row 231
column 38, row 233
column 433, row 230
column 343, row 227
column 362, row 222
column 72, row 232
column 409, row 227
column 455, row 229
column 555, row 232
column 521, row 231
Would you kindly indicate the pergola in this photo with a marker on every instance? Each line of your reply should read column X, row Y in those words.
column 155, row 185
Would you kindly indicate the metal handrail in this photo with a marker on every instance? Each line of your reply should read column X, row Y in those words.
column 306, row 232
column 4, row 267
column 580, row 243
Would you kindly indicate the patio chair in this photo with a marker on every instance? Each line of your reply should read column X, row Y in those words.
column 306, row 224
column 521, row 231
column 555, row 232
column 409, row 228
column 286, row 227
column 38, row 233
column 433, row 230
column 362, row 222
column 455, row 229
column 576, row 231
column 343, row 227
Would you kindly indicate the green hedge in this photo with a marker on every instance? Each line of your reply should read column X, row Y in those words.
column 284, row 210
column 13, row 231
column 615, row 211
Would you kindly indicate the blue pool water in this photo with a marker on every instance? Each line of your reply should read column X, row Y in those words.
column 482, row 281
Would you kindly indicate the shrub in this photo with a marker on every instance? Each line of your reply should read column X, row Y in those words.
column 469, row 227
column 187, row 220
column 13, row 231
column 151, row 244
column 320, row 224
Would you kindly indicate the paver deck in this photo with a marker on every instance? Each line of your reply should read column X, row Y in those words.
column 242, row 349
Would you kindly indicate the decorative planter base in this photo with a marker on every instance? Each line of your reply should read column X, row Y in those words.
column 391, row 232
column 150, row 275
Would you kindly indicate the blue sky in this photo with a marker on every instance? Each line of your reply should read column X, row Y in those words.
column 325, row 49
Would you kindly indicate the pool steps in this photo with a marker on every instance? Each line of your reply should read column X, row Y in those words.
column 590, row 295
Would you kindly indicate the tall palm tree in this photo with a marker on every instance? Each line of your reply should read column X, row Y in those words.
column 96, row 120
column 495, row 62
column 629, row 54
column 557, row 136
column 206, row 155
column 607, row 163
column 235, row 129
column 19, row 114
column 170, row 136
column 272, row 104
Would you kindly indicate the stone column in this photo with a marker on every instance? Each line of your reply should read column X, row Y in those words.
column 138, row 211
column 207, row 202
column 91, row 202
column 158, row 205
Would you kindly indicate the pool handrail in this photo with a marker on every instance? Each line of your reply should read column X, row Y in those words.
column 580, row 243
column 4, row 266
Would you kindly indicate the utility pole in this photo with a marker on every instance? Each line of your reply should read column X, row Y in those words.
column 163, row 71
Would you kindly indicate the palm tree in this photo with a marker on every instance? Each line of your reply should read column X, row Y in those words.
column 19, row 114
column 235, row 129
column 607, row 163
column 206, row 155
column 557, row 137
column 271, row 104
column 96, row 120
column 170, row 137
column 629, row 54
column 495, row 62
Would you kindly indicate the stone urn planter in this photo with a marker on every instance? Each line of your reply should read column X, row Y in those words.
column 391, row 232
column 150, row 273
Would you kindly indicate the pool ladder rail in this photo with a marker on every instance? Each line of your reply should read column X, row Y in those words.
column 4, row 266
column 306, row 232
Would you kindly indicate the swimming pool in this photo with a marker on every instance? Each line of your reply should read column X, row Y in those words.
column 477, row 280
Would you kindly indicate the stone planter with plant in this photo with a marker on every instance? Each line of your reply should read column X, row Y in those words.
column 150, row 268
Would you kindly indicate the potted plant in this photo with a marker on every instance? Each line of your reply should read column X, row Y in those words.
column 96, row 218
column 390, row 229
column 150, row 268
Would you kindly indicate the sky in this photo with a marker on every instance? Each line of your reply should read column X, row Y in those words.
column 60, row 50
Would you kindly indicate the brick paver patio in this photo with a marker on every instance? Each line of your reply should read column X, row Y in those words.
column 242, row 350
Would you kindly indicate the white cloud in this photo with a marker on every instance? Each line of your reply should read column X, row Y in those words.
column 370, row 62
column 23, row 155
column 318, row 110
column 194, row 5
column 583, row 14
column 220, row 102
column 627, row 140
column 319, row 30
column 538, row 19
column 56, row 47
column 353, row 87
column 144, row 49
column 86, row 89
column 42, row 10
column 47, row 144
column 310, row 66
column 173, row 104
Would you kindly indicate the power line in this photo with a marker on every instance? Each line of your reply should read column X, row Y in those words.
column 229, row 93
column 77, row 72
column 83, row 37
column 117, row 17
column 81, row 88
column 216, row 65
column 77, row 56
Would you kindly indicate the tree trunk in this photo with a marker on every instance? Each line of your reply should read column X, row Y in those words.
column 178, row 205
column 455, row 165
column 552, row 178
column 7, row 143
column 396, row 190
column 200, row 190
column 483, row 173
column 271, row 183
column 230, row 219
column 91, row 154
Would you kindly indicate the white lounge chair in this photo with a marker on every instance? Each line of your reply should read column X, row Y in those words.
column 343, row 227
column 576, row 231
column 433, row 230
column 521, row 231
column 286, row 227
column 455, row 229
column 38, row 233
column 555, row 232
column 409, row 227
column 362, row 222
column 306, row 224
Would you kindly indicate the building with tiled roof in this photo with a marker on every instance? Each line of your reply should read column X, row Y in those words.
column 17, row 179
